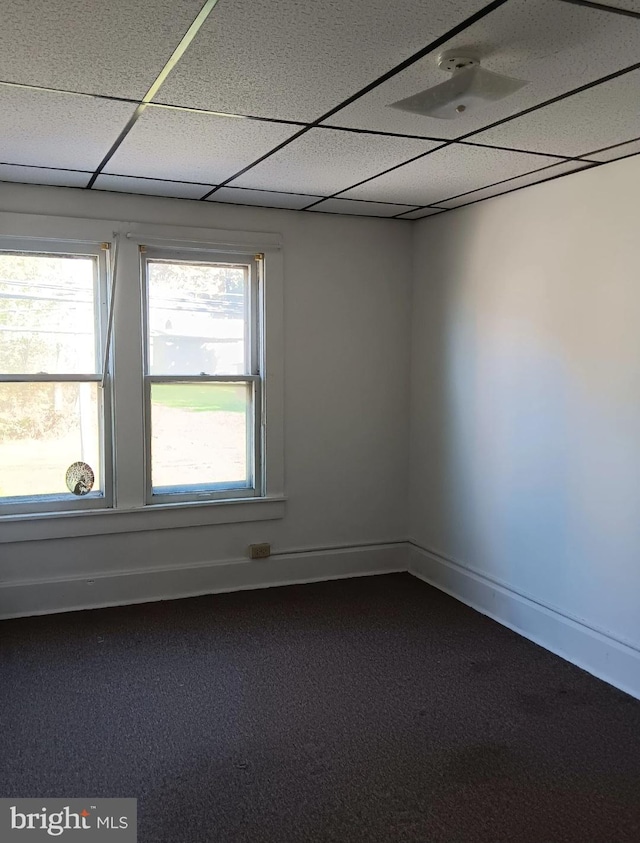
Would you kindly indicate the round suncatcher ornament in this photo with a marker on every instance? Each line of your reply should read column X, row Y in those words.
column 79, row 478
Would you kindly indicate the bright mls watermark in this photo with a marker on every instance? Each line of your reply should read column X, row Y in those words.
column 84, row 820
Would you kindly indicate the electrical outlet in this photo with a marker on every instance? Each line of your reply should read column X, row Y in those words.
column 259, row 551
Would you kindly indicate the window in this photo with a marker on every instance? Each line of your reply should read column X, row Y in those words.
column 53, row 407
column 160, row 367
column 203, row 385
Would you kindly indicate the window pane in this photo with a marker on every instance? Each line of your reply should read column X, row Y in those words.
column 44, row 428
column 47, row 313
column 199, row 436
column 197, row 318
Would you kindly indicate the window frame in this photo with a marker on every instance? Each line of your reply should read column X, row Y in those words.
column 254, row 341
column 67, row 502
column 128, row 512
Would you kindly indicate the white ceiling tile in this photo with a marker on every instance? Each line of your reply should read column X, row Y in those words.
column 189, row 146
column 598, row 117
column 446, row 173
column 151, row 187
column 513, row 184
column 325, row 161
column 631, row 148
column 296, row 60
column 266, row 198
column 58, row 130
column 359, row 208
column 41, row 175
column 115, row 48
column 424, row 212
column 554, row 46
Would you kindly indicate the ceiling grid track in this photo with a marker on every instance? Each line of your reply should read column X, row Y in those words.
column 407, row 63
column 456, row 30
column 172, row 61
column 603, row 7
column 453, row 142
column 486, row 187
column 615, row 75
column 463, row 140
column 590, row 166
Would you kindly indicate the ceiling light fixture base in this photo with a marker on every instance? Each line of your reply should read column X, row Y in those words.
column 453, row 61
column 466, row 92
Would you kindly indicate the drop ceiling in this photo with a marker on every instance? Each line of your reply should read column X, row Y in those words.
column 285, row 103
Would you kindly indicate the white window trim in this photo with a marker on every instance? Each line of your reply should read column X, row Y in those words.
column 252, row 378
column 130, row 512
column 96, row 499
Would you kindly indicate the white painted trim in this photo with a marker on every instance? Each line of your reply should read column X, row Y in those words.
column 78, row 229
column 42, row 597
column 59, row 229
column 596, row 651
column 177, row 236
column 100, row 522
column 129, row 512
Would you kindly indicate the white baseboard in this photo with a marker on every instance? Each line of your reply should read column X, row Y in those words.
column 47, row 596
column 595, row 651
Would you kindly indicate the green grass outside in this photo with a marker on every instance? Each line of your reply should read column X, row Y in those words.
column 200, row 398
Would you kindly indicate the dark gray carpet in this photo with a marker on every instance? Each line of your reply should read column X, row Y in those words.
column 369, row 710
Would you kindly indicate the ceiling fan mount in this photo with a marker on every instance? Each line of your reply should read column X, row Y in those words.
column 455, row 60
column 469, row 87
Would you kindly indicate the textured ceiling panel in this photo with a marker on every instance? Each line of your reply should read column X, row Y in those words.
column 296, row 60
column 513, row 184
column 115, row 48
column 265, row 198
column 40, row 175
column 598, row 117
column 58, row 130
column 446, row 173
column 188, row 146
column 631, row 148
column 418, row 215
column 361, row 209
column 151, row 187
column 325, row 161
column 554, row 46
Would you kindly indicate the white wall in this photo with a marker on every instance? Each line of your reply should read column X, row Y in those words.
column 524, row 448
column 525, row 411
column 346, row 413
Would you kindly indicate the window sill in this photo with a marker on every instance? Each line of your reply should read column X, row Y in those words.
column 61, row 525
